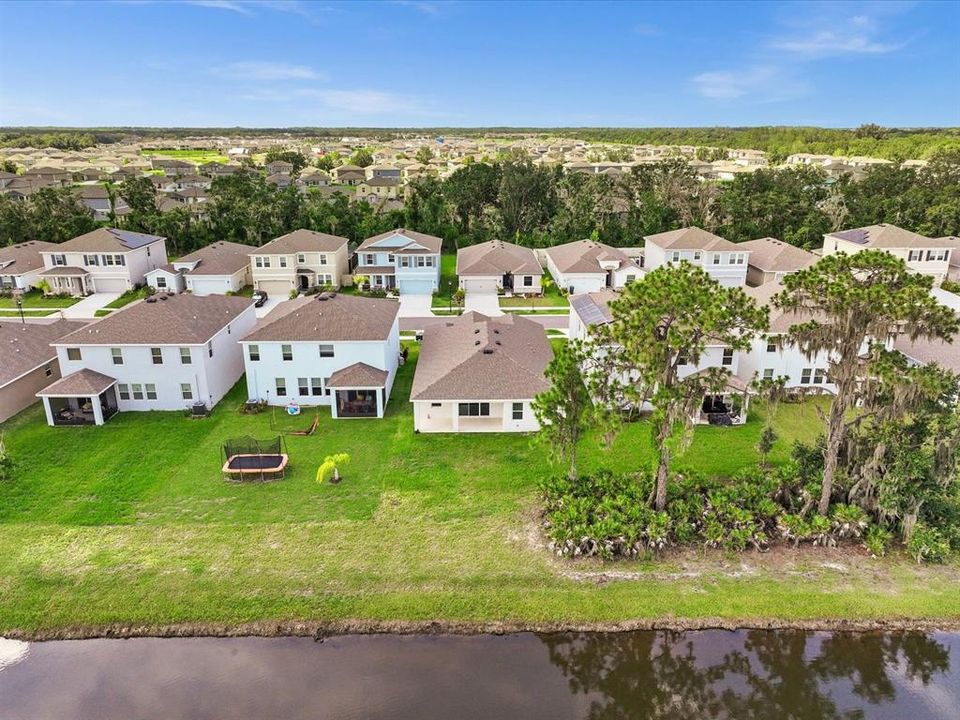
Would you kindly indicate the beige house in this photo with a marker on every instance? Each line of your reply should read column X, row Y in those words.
column 929, row 256
column 27, row 362
column 21, row 264
column 299, row 260
column 497, row 265
column 771, row 259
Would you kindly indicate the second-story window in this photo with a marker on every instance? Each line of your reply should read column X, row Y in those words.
column 185, row 357
column 156, row 355
column 697, row 255
column 117, row 355
column 253, row 352
column 323, row 259
column 675, row 256
column 302, row 259
column 283, row 261
column 73, row 354
column 59, row 259
column 728, row 356
column 287, row 352
column 91, row 260
column 326, row 351
column 716, row 258
column 210, row 348
column 915, row 256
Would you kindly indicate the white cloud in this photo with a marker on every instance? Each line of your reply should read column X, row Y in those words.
column 828, row 43
column 424, row 6
column 267, row 70
column 758, row 84
column 231, row 5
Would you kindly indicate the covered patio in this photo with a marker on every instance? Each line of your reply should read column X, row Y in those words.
column 727, row 407
column 68, row 280
column 85, row 397
column 359, row 391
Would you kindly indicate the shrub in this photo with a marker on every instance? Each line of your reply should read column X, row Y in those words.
column 876, row 539
column 848, row 521
column 927, row 544
column 6, row 463
column 294, row 293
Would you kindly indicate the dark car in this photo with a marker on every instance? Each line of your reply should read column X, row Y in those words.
column 259, row 298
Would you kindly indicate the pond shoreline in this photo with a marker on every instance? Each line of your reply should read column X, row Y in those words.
column 320, row 629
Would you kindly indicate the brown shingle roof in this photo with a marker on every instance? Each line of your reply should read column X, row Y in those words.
column 83, row 382
column 24, row 347
column 338, row 318
column 496, row 257
column 413, row 238
column 584, row 256
column 23, row 257
column 885, row 235
column 358, row 375
column 176, row 320
column 107, row 240
column 772, row 255
column 479, row 358
column 940, row 352
column 691, row 238
column 219, row 258
column 301, row 241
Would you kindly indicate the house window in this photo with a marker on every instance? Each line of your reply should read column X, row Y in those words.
column 915, row 255
column 391, row 258
column 124, row 391
column 474, row 409
column 404, row 261
column 697, row 255
column 518, row 411
column 675, row 256
column 287, row 352
column 73, row 354
column 737, row 258
column 48, row 370
column 303, row 387
column 161, row 281
column 819, row 376
column 768, row 373
column 281, row 387
column 156, row 354
column 258, row 261
column 316, row 387
column 137, row 390
column 108, row 259
column 936, row 255
column 151, row 391
column 323, row 259
column 421, row 261
column 253, row 352
column 91, row 260
column 59, row 259
column 630, row 279
column 283, row 261
column 771, row 344
column 716, row 258
column 186, row 391
column 728, row 356
column 369, row 259
column 302, row 259
column 326, row 351
column 528, row 280
column 117, row 355
column 185, row 357
column 805, row 376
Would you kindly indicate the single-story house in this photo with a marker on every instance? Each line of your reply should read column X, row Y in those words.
column 21, row 264
column 497, row 265
column 216, row 269
column 587, row 266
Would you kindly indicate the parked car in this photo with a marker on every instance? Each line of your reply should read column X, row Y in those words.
column 259, row 298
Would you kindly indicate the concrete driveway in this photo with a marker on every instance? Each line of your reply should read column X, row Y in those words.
column 268, row 306
column 485, row 303
column 87, row 308
column 416, row 306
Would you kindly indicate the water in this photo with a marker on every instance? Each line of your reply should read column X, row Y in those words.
column 712, row 674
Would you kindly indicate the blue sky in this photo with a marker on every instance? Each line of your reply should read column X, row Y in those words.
column 426, row 63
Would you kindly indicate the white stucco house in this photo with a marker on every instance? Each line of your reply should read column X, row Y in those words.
column 103, row 260
column 299, row 260
column 480, row 374
column 724, row 261
column 585, row 266
column 496, row 265
column 403, row 259
column 331, row 349
column 216, row 269
column 168, row 352
column 929, row 256
column 21, row 264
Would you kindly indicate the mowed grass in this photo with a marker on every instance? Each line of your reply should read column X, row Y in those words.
column 198, row 156
column 36, row 299
column 132, row 523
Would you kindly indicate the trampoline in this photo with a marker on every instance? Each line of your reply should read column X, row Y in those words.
column 249, row 459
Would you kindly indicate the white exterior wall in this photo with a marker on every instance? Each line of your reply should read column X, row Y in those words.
column 116, row 277
column 789, row 362
column 307, row 363
column 210, row 377
column 495, row 282
column 201, row 285
column 939, row 269
column 432, row 417
column 712, row 357
column 174, row 281
column 725, row 272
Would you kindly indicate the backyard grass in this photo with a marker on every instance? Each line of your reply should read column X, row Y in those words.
column 198, row 156
column 131, row 523
column 448, row 280
column 36, row 299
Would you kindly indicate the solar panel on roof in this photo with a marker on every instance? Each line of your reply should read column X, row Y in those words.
column 589, row 311
column 133, row 240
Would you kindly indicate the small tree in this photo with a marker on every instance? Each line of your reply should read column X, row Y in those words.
column 564, row 411
column 771, row 390
column 853, row 300
column 424, row 155
column 360, row 280
column 361, row 157
column 6, row 462
column 458, row 297
column 330, row 468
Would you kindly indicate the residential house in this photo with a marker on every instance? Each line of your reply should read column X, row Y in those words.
column 403, row 259
column 930, row 351
column 724, row 261
column 497, row 265
column 378, row 188
column 52, row 175
column 299, row 260
column 587, row 266
column 98, row 202
column 168, row 352
column 771, row 259
column 313, row 178
column 929, row 256
column 21, row 264
column 386, row 171
column 330, row 349
column 348, row 175
column 281, row 180
column 279, row 167
column 480, row 374
column 102, row 260
column 27, row 362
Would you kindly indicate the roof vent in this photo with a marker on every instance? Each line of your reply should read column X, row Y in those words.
column 477, row 342
column 476, row 331
column 488, row 351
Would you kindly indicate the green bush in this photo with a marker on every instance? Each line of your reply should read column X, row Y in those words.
column 848, row 521
column 928, row 544
column 877, row 540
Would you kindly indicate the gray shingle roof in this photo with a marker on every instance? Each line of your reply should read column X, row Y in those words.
column 772, row 255
column 219, row 258
column 107, row 240
column 413, row 238
column 23, row 257
column 338, row 318
column 691, row 238
column 301, row 241
column 584, row 256
column 885, row 235
column 358, row 375
column 81, row 383
column 496, row 257
column 26, row 346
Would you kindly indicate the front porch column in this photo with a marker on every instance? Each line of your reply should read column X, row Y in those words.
column 97, row 410
column 379, row 402
column 48, row 411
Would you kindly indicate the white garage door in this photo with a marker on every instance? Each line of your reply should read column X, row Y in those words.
column 480, row 285
column 415, row 287
column 210, row 286
column 106, row 285
column 275, row 288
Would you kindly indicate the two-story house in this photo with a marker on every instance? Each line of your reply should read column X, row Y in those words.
column 770, row 260
column 587, row 266
column 724, row 261
column 102, row 260
column 168, row 352
column 331, row 349
column 929, row 256
column 403, row 259
column 299, row 260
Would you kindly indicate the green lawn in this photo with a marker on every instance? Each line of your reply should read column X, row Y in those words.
column 128, row 297
column 28, row 313
column 198, row 156
column 36, row 299
column 132, row 523
column 448, row 280
column 552, row 297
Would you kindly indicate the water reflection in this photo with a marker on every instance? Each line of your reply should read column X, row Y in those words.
column 645, row 675
column 758, row 674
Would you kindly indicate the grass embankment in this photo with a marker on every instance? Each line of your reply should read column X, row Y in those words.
column 131, row 525
column 35, row 299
